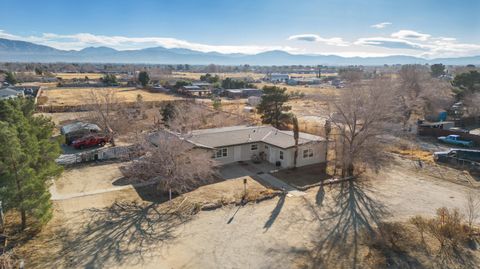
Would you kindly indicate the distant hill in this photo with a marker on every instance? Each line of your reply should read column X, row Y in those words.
column 21, row 51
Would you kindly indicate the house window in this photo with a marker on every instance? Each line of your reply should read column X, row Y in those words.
column 307, row 153
column 220, row 153
column 254, row 147
column 281, row 155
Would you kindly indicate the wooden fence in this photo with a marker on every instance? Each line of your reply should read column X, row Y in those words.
column 100, row 154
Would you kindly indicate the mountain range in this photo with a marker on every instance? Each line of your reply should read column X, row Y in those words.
column 21, row 51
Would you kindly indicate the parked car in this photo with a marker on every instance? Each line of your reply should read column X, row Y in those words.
column 455, row 140
column 90, row 141
column 464, row 154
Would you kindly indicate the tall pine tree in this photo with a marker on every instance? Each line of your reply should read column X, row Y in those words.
column 27, row 160
column 273, row 108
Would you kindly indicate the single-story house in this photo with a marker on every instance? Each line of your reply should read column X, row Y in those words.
column 277, row 77
column 10, row 93
column 203, row 85
column 243, row 93
column 77, row 130
column 244, row 143
column 158, row 88
column 195, row 91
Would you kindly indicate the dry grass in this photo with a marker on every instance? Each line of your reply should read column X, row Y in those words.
column 78, row 75
column 413, row 154
column 324, row 90
column 80, row 96
column 196, row 76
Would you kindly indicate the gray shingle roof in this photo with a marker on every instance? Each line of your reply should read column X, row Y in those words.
column 77, row 126
column 235, row 135
column 9, row 92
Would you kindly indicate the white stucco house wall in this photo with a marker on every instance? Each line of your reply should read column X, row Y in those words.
column 244, row 143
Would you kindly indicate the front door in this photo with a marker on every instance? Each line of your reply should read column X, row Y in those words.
column 237, row 153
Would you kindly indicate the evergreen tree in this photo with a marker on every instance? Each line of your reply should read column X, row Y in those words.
column 10, row 78
column 168, row 113
column 272, row 107
column 109, row 79
column 144, row 78
column 437, row 70
column 27, row 160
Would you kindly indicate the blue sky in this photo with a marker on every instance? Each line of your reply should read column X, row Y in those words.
column 428, row 28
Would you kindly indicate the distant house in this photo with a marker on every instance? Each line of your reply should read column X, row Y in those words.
column 277, row 77
column 158, row 88
column 244, row 143
column 304, row 81
column 195, row 91
column 202, row 84
column 77, row 130
column 10, row 93
column 243, row 93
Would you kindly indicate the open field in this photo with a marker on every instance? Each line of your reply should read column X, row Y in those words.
column 196, row 76
column 321, row 90
column 78, row 75
column 124, row 229
column 80, row 96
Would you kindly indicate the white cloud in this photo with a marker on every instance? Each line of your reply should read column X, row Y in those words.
column 83, row 40
column 381, row 25
column 409, row 34
column 334, row 41
column 387, row 42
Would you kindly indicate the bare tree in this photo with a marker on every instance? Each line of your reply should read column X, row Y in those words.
column 472, row 208
column 351, row 75
column 103, row 104
column 174, row 163
column 359, row 119
column 471, row 102
column 419, row 94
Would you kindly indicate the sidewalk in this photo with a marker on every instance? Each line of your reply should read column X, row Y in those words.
column 278, row 184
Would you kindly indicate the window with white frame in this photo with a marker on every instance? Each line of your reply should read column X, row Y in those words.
column 281, row 155
column 220, row 153
column 253, row 146
column 307, row 153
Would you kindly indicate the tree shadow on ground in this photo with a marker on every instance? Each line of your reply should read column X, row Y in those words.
column 275, row 212
column 320, row 195
column 125, row 231
column 352, row 213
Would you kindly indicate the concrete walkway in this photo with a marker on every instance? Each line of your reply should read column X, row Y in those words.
column 278, row 184
column 260, row 172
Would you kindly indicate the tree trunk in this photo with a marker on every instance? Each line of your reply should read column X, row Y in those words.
column 23, row 213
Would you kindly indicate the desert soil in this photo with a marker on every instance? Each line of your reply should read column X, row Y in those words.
column 90, row 232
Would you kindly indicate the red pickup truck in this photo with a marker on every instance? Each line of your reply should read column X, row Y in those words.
column 90, row 141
